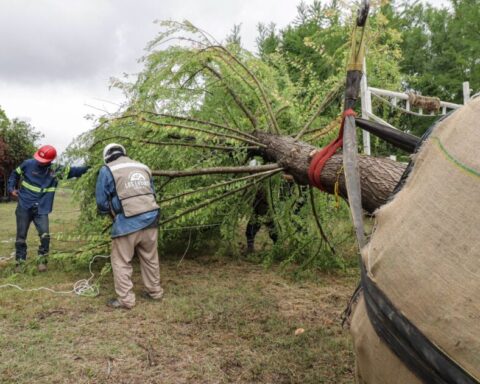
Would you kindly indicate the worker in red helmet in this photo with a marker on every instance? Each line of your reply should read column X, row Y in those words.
column 33, row 183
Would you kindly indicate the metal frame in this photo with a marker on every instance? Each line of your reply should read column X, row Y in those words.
column 394, row 97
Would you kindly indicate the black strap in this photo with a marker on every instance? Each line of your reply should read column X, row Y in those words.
column 417, row 352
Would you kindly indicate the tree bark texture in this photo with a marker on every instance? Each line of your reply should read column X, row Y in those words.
column 378, row 176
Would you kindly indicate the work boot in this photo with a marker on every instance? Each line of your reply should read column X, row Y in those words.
column 147, row 296
column 115, row 304
column 42, row 267
column 20, row 267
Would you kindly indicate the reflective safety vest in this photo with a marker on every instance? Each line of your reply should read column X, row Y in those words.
column 38, row 183
column 53, row 173
column 133, row 185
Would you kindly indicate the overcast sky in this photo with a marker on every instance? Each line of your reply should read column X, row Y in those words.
column 57, row 56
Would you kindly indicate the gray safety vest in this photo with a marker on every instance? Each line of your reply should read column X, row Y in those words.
column 133, row 185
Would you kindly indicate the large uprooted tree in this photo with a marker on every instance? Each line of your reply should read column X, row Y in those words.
column 201, row 110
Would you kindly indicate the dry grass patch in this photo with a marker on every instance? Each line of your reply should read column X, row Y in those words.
column 221, row 321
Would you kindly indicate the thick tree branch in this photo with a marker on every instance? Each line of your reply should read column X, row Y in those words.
column 218, row 198
column 211, row 123
column 181, row 126
column 208, row 132
column 175, row 143
column 218, row 185
column 217, row 170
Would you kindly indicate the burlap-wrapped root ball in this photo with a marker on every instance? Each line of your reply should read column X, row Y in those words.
column 424, row 255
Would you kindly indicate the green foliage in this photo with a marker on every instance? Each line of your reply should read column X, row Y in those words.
column 18, row 140
column 440, row 47
column 314, row 46
column 202, row 101
column 439, row 51
column 314, row 51
column 19, row 136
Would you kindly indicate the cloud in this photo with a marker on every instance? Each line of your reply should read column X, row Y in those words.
column 58, row 55
column 58, row 40
column 55, row 40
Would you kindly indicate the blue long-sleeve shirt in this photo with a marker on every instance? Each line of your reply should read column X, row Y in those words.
column 107, row 200
column 39, row 183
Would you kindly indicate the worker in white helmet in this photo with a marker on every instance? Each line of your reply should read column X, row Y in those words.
column 125, row 191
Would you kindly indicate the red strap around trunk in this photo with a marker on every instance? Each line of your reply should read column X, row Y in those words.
column 321, row 157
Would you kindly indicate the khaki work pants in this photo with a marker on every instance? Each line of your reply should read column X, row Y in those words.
column 144, row 244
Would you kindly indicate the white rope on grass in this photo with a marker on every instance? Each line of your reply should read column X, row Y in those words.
column 5, row 258
column 81, row 287
column 35, row 289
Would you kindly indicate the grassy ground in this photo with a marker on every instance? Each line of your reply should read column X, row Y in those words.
column 221, row 321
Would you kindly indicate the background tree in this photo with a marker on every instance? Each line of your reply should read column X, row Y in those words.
column 440, row 47
column 439, row 51
column 17, row 142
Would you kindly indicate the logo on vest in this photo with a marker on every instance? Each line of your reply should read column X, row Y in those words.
column 137, row 180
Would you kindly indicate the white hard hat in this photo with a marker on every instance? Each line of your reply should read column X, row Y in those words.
column 113, row 149
column 254, row 162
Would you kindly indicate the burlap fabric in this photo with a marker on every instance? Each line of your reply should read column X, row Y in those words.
column 424, row 253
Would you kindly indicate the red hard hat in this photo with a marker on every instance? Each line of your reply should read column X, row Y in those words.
column 45, row 154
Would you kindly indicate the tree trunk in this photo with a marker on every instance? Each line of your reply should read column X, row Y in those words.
column 378, row 176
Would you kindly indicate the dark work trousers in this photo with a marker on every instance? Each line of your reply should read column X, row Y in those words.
column 254, row 225
column 261, row 215
column 24, row 218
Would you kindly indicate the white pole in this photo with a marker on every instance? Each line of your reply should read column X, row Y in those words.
column 466, row 92
column 366, row 98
